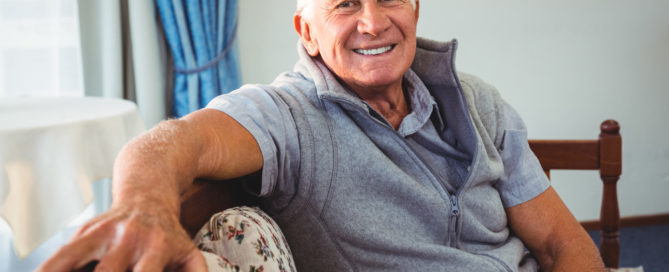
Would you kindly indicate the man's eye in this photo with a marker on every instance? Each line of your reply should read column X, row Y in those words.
column 392, row 2
column 345, row 5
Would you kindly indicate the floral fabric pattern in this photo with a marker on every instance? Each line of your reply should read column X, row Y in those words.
column 244, row 239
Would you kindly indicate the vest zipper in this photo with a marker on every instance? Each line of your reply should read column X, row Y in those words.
column 455, row 212
column 451, row 197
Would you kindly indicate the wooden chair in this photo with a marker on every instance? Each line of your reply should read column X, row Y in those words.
column 603, row 154
column 205, row 198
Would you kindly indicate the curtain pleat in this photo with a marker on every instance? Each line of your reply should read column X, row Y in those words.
column 230, row 65
column 201, row 38
column 169, row 21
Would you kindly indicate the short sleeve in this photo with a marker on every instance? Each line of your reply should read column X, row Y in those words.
column 267, row 117
column 523, row 177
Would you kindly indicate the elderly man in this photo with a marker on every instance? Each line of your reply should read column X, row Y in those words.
column 375, row 155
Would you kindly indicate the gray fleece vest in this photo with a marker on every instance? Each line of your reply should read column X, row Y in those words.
column 360, row 199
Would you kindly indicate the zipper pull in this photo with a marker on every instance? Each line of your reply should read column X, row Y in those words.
column 455, row 210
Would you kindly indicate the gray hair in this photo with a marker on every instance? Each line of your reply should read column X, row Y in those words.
column 304, row 7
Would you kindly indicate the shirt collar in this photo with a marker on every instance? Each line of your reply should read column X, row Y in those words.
column 328, row 87
column 422, row 104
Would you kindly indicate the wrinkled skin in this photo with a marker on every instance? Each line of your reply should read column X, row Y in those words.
column 141, row 231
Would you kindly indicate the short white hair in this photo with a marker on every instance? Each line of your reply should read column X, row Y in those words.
column 304, row 7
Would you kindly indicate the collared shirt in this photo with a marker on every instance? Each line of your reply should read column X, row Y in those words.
column 352, row 193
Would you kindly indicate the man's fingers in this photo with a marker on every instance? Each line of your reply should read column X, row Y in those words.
column 118, row 258
column 99, row 224
column 74, row 255
column 151, row 261
column 122, row 240
column 195, row 262
column 83, row 248
column 86, row 227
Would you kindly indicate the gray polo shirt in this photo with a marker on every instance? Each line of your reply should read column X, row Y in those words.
column 353, row 194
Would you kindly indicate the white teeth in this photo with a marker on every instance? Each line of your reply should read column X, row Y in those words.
column 375, row 51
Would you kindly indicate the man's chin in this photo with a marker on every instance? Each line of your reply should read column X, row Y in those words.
column 379, row 84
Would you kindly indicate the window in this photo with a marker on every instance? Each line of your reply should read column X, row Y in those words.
column 39, row 48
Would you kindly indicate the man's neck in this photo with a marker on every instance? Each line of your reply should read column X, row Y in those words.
column 391, row 103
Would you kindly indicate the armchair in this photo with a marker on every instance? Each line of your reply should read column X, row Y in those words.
column 205, row 198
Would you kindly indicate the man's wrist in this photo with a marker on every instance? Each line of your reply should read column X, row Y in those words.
column 148, row 197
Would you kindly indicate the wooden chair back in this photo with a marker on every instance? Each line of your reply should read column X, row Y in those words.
column 603, row 154
column 204, row 198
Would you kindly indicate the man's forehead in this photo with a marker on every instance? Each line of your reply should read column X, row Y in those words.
column 325, row 2
column 302, row 3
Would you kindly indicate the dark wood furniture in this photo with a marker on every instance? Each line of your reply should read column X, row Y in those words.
column 205, row 198
column 603, row 154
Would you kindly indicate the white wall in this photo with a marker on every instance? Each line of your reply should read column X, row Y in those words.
column 564, row 65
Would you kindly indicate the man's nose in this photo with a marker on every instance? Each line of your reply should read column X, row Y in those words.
column 373, row 20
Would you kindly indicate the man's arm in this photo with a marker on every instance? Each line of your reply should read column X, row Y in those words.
column 141, row 231
column 553, row 235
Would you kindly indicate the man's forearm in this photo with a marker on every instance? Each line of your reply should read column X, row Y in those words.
column 577, row 256
column 553, row 235
column 156, row 166
column 141, row 231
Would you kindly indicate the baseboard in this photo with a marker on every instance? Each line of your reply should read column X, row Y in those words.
column 632, row 221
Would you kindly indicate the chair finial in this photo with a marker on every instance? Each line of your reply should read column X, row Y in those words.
column 609, row 127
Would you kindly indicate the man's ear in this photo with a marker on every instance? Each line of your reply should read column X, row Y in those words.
column 416, row 12
column 303, row 29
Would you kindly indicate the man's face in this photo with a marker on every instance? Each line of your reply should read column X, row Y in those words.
column 369, row 44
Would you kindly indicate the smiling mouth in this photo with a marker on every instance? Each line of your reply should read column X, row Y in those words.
column 375, row 51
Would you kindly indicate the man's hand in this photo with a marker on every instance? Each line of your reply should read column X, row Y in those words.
column 141, row 232
column 129, row 238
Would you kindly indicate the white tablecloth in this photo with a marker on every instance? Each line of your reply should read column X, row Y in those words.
column 51, row 150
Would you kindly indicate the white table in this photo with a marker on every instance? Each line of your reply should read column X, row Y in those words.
column 51, row 150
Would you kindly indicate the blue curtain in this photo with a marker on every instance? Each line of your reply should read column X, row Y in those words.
column 201, row 36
